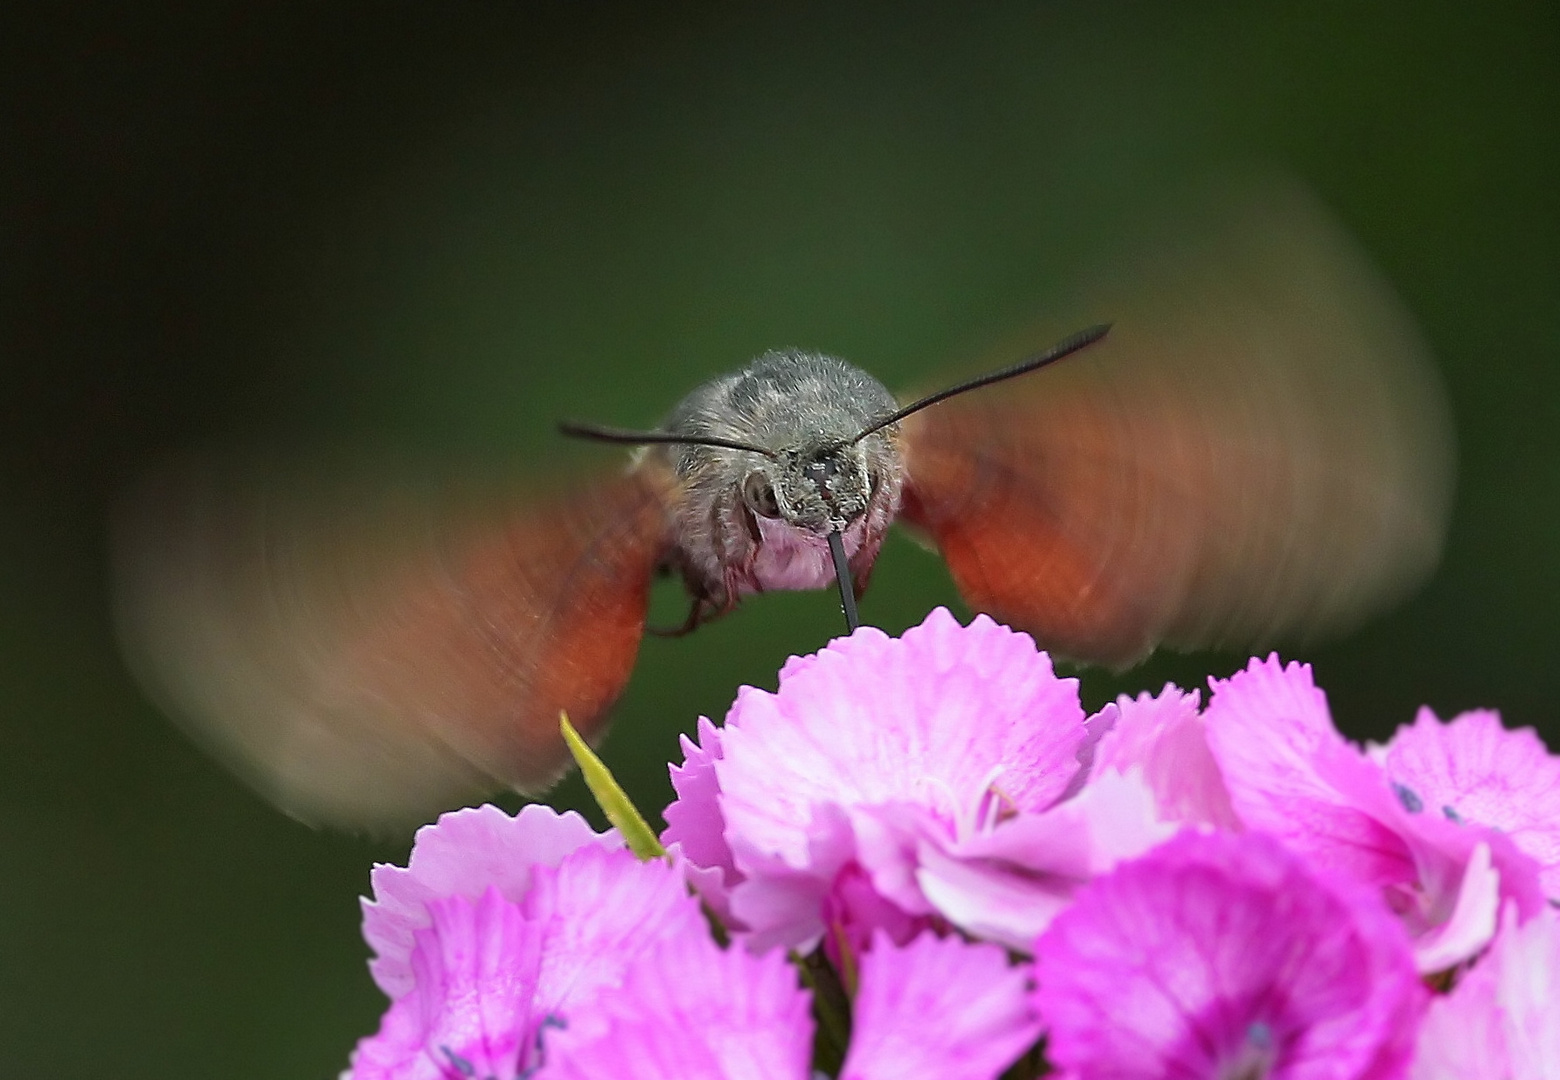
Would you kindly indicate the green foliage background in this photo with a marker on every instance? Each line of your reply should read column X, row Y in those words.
column 443, row 227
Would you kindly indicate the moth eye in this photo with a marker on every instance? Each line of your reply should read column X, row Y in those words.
column 760, row 496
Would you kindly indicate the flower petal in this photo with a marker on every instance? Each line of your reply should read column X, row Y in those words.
column 463, row 854
column 1527, row 987
column 1289, row 773
column 600, row 910
column 1164, row 737
column 1499, row 1022
column 1007, row 884
column 1474, row 770
column 471, row 1012
column 939, row 1009
column 693, row 821
column 692, row 1011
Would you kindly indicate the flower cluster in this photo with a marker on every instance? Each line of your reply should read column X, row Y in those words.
column 530, row 946
column 919, row 857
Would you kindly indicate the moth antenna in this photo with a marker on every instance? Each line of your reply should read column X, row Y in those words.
column 1066, row 347
column 601, row 433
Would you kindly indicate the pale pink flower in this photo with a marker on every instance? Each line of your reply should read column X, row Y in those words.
column 695, row 827
column 1163, row 737
column 939, row 1009
column 491, row 948
column 1007, row 883
column 472, row 1009
column 900, row 784
column 942, row 1009
column 1474, row 771
column 1290, row 773
column 464, row 854
column 689, row 1010
column 1225, row 955
column 1502, row 1021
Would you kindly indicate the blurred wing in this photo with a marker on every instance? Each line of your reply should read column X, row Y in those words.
column 372, row 666
column 1259, row 449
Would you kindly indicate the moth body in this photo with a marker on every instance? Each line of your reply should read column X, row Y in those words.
column 1260, row 451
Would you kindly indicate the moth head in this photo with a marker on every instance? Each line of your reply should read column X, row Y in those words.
column 817, row 489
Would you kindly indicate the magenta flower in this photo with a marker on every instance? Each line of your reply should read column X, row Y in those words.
column 496, row 934
column 900, row 784
column 1224, row 955
column 1501, row 1020
column 1290, row 773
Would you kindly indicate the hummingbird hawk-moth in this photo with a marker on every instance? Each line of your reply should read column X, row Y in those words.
column 1257, row 449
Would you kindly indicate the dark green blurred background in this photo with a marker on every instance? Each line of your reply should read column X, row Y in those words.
column 445, row 227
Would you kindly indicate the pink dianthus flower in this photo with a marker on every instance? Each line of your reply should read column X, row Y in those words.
column 1230, row 892
column 693, row 1011
column 898, row 784
column 1472, row 770
column 1291, row 774
column 938, row 1009
column 501, row 930
column 531, row 948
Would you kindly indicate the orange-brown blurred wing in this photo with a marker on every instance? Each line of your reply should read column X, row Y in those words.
column 371, row 666
column 1259, row 449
